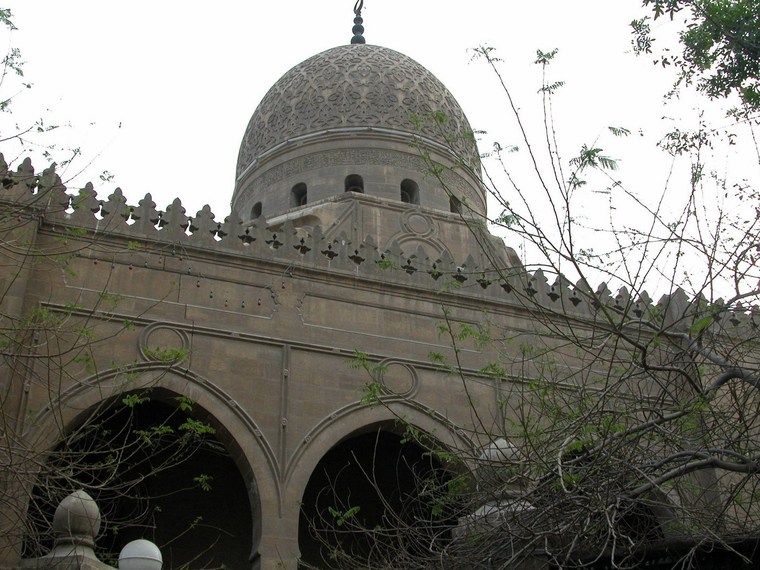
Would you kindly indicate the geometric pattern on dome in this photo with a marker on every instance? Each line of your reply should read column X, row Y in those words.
column 355, row 86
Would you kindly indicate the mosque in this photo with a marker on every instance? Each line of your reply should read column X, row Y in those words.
column 331, row 277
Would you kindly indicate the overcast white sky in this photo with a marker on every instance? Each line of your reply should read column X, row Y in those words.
column 170, row 85
column 159, row 93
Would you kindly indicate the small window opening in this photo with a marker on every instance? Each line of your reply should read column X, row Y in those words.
column 410, row 192
column 354, row 183
column 298, row 195
column 455, row 205
column 256, row 211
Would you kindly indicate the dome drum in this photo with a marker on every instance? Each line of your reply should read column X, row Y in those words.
column 306, row 173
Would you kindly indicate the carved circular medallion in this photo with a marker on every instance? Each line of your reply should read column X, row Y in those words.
column 416, row 223
column 398, row 378
column 159, row 342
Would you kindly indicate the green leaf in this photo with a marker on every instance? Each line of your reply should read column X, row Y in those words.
column 204, row 481
column 619, row 131
column 701, row 324
column 184, row 403
column 196, row 427
column 551, row 87
column 132, row 400
column 342, row 517
column 544, row 57
column 593, row 157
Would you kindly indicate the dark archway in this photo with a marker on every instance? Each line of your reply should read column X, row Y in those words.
column 354, row 183
column 374, row 497
column 410, row 192
column 299, row 195
column 158, row 469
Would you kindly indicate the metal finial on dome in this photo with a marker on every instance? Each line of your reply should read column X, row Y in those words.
column 358, row 29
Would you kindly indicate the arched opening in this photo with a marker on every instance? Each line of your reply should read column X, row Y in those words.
column 354, row 183
column 157, row 468
column 410, row 192
column 256, row 211
column 455, row 205
column 377, row 497
column 298, row 195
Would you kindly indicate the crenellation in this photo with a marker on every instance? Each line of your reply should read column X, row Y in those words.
column 145, row 218
column 460, row 275
column 49, row 198
column 537, row 286
column 394, row 253
column 26, row 177
column 577, row 301
column 602, row 297
column 673, row 310
column 356, row 255
column 368, row 251
column 204, row 229
column 643, row 305
column 232, row 234
column 256, row 237
column 445, row 267
column 84, row 207
column 558, row 292
column 423, row 258
column 408, row 265
column 320, row 253
column 342, row 260
column 308, row 246
column 288, row 236
column 115, row 212
column 737, row 320
column 173, row 222
column 50, row 181
column 484, row 280
column 622, row 300
column 744, row 319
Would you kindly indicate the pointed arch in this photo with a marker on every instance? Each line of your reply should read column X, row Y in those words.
column 235, row 429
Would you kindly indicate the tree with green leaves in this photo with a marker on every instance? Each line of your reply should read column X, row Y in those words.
column 624, row 431
column 719, row 42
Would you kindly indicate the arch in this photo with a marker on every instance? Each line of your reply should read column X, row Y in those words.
column 248, row 449
column 455, row 205
column 376, row 477
column 354, row 183
column 156, row 468
column 354, row 418
column 298, row 195
column 410, row 192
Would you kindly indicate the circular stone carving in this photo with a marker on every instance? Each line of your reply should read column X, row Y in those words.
column 398, row 378
column 416, row 223
column 356, row 86
column 163, row 343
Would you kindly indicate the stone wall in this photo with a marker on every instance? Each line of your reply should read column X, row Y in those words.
column 268, row 321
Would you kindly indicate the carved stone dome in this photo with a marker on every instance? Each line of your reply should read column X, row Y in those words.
column 355, row 86
column 344, row 121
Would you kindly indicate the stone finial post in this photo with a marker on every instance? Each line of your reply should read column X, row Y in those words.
column 76, row 523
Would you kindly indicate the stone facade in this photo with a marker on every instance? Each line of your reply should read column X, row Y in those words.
column 265, row 310
column 270, row 321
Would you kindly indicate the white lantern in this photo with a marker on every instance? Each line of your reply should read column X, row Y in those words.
column 140, row 555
